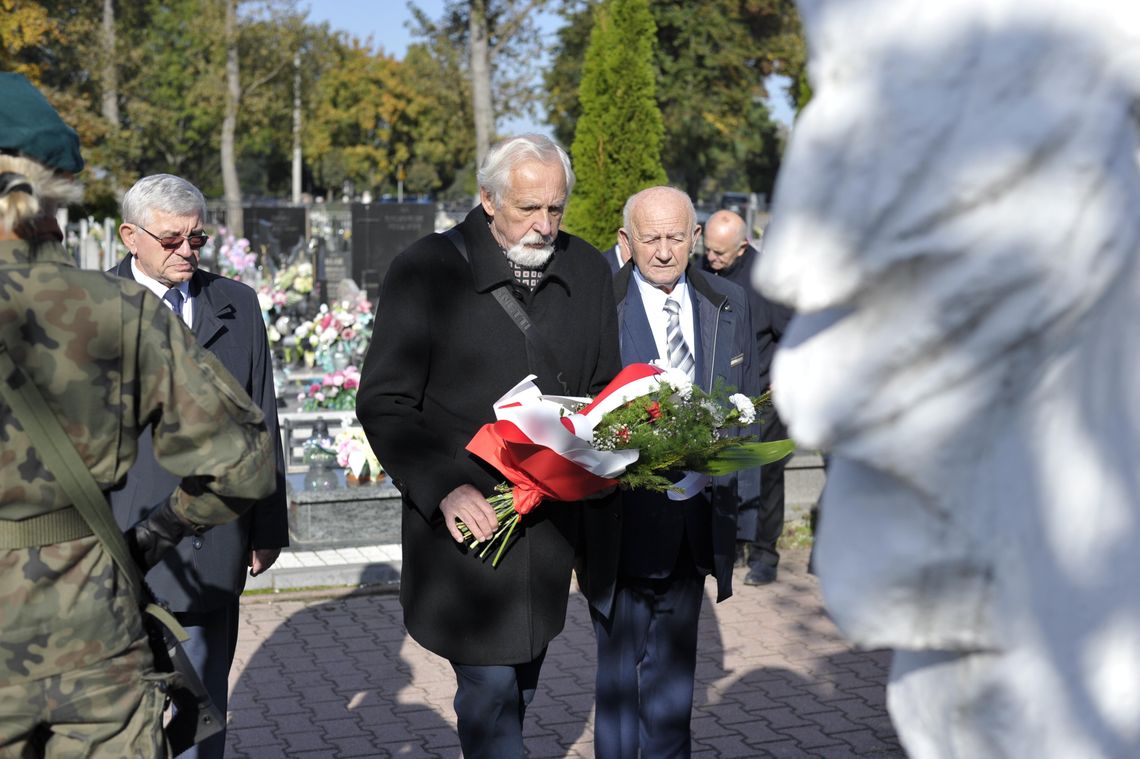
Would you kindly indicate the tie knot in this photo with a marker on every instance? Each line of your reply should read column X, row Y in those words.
column 672, row 306
column 174, row 297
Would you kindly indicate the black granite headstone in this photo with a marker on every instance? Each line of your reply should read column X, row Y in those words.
column 334, row 265
column 275, row 232
column 379, row 232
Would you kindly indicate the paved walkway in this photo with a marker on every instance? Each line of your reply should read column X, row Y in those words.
column 320, row 676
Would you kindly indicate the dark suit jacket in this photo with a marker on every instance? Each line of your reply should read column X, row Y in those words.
column 655, row 530
column 205, row 573
column 769, row 319
column 443, row 352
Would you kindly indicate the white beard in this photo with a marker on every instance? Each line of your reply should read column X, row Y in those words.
column 523, row 255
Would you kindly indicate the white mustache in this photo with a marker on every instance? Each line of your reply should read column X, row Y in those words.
column 534, row 238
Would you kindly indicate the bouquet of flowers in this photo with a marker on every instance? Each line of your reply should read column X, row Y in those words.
column 336, row 391
column 355, row 454
column 647, row 421
column 234, row 258
column 343, row 329
column 282, row 303
column 295, row 280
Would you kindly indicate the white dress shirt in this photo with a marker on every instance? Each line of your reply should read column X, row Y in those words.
column 160, row 289
column 653, row 299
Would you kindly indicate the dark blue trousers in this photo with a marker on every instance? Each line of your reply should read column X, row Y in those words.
column 647, row 658
column 210, row 648
column 490, row 703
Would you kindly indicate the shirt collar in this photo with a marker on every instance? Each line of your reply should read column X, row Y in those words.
column 154, row 285
column 654, row 298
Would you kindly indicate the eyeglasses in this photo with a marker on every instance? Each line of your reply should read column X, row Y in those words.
column 175, row 242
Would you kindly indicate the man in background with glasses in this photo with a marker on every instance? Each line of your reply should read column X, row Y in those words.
column 163, row 218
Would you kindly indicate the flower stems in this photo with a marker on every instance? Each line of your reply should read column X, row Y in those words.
column 503, row 502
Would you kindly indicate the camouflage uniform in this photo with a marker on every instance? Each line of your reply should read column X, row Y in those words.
column 111, row 359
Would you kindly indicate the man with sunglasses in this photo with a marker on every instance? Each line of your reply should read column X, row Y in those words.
column 163, row 217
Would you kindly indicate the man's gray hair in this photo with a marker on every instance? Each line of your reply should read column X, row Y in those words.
column 495, row 173
column 637, row 197
column 164, row 193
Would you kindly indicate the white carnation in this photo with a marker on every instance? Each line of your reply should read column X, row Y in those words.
column 679, row 381
column 744, row 407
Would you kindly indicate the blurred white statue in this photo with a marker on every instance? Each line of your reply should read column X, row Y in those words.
column 957, row 222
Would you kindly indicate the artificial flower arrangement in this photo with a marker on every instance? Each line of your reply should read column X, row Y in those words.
column 235, row 259
column 282, row 302
column 295, row 280
column 355, row 454
column 335, row 392
column 345, row 329
column 647, row 421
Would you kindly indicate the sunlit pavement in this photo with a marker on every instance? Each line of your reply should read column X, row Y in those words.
column 321, row 676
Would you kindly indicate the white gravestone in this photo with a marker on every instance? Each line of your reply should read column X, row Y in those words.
column 957, row 223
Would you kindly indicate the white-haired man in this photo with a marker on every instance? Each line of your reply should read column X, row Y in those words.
column 203, row 578
column 446, row 350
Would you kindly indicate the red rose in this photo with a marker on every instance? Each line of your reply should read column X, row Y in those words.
column 654, row 411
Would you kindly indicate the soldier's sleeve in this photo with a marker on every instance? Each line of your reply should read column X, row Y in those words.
column 270, row 521
column 205, row 427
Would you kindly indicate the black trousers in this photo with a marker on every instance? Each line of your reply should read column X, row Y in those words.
column 490, row 703
column 762, row 526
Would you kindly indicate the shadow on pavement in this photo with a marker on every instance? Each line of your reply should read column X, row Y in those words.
column 328, row 678
column 320, row 677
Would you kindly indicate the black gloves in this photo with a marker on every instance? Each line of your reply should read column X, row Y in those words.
column 150, row 538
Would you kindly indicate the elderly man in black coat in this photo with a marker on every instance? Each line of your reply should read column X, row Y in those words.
column 444, row 349
column 203, row 578
column 761, row 521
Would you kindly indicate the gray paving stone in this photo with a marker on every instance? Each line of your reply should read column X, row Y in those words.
column 333, row 674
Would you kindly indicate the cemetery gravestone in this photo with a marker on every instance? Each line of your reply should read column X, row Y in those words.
column 379, row 232
column 275, row 232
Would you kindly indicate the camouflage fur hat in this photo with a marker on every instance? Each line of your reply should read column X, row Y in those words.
column 30, row 127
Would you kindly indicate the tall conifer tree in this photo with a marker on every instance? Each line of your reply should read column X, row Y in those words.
column 617, row 142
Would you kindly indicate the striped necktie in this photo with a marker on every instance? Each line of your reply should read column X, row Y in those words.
column 679, row 355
